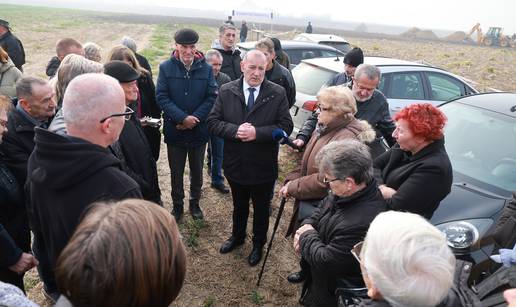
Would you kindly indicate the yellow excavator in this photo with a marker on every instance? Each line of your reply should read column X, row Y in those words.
column 493, row 37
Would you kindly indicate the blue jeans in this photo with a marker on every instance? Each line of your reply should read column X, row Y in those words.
column 217, row 149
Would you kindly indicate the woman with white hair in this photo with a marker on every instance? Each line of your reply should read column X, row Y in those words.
column 326, row 238
column 405, row 261
column 92, row 52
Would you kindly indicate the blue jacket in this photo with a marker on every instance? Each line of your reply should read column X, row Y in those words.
column 180, row 93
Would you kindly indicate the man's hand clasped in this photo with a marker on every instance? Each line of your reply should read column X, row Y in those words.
column 246, row 132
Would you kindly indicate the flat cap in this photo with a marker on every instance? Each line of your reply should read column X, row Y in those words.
column 5, row 23
column 186, row 37
column 121, row 71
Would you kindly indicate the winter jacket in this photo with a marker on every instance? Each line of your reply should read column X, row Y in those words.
column 14, row 48
column 52, row 66
column 255, row 162
column 222, row 79
column 339, row 223
column 339, row 79
column 66, row 175
column 282, row 76
column 149, row 107
column 180, row 93
column 9, row 74
column 304, row 181
column 421, row 181
column 230, row 62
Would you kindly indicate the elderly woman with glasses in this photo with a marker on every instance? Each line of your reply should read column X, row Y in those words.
column 326, row 238
column 416, row 173
column 405, row 261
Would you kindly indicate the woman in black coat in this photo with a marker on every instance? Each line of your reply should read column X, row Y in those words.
column 416, row 173
column 326, row 238
column 146, row 105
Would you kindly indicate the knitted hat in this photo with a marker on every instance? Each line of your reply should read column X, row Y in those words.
column 354, row 57
column 121, row 71
column 186, row 37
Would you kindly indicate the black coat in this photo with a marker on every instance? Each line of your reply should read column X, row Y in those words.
column 66, row 175
column 231, row 63
column 255, row 162
column 149, row 107
column 139, row 160
column 52, row 66
column 14, row 48
column 282, row 76
column 339, row 224
column 421, row 181
column 143, row 62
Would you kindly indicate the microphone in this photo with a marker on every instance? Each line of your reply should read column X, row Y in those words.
column 278, row 135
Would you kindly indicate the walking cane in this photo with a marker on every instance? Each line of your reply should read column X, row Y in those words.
column 280, row 212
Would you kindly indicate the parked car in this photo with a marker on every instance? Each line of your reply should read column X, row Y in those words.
column 480, row 140
column 402, row 82
column 335, row 41
column 298, row 51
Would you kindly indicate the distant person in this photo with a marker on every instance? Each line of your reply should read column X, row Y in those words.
column 230, row 20
column 92, row 52
column 9, row 75
column 309, row 28
column 185, row 93
column 131, row 44
column 68, row 173
column 216, row 144
column 352, row 59
column 281, row 56
column 127, row 253
column 245, row 114
column 275, row 72
column 243, row 31
column 64, row 47
column 12, row 45
column 231, row 55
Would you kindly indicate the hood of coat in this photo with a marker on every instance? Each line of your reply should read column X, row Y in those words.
column 60, row 161
column 6, row 66
column 361, row 128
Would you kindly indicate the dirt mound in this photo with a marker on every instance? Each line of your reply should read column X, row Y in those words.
column 458, row 36
column 416, row 33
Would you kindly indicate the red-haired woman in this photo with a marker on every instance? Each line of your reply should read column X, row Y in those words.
column 416, row 173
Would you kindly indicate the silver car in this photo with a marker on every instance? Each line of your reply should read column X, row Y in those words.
column 402, row 82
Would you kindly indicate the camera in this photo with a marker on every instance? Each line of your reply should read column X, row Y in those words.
column 150, row 122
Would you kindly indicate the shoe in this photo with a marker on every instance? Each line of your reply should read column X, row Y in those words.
column 196, row 212
column 177, row 212
column 221, row 188
column 255, row 256
column 296, row 277
column 230, row 245
column 51, row 296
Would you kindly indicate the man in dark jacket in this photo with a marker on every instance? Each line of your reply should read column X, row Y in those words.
column 231, row 56
column 64, row 47
column 243, row 31
column 134, row 151
column 185, row 93
column 275, row 72
column 12, row 45
column 352, row 59
column 67, row 173
column 245, row 114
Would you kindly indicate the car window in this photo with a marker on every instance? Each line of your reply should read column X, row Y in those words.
column 383, row 82
column 330, row 54
column 406, row 86
column 295, row 55
column 309, row 78
column 444, row 87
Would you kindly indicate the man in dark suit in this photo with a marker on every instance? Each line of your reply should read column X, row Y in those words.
column 245, row 114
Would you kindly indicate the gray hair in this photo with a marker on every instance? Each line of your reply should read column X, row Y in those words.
column 346, row 158
column 266, row 43
column 213, row 53
column 407, row 260
column 25, row 84
column 372, row 72
column 129, row 43
column 92, row 51
column 89, row 98
column 226, row 26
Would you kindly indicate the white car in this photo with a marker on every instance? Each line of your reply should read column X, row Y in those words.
column 402, row 82
column 335, row 41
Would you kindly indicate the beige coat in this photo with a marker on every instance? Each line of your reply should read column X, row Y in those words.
column 9, row 74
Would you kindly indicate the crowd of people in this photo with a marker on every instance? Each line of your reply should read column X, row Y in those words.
column 78, row 170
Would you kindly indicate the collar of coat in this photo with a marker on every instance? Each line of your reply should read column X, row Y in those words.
column 198, row 57
column 431, row 148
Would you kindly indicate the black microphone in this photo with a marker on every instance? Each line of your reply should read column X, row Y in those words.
column 278, row 135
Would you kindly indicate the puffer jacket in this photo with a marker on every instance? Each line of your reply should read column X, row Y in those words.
column 9, row 74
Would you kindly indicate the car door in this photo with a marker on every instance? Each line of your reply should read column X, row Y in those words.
column 402, row 89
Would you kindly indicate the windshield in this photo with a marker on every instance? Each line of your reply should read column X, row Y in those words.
column 480, row 144
column 344, row 47
column 310, row 78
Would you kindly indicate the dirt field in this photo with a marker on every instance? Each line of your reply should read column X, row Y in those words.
column 214, row 279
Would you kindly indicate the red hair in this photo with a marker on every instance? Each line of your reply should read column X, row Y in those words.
column 424, row 120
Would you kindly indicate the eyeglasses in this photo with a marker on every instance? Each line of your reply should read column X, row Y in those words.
column 326, row 180
column 127, row 114
column 356, row 250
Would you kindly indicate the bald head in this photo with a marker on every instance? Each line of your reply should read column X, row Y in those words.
column 90, row 98
column 253, row 67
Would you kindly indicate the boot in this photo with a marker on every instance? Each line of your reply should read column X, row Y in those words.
column 177, row 212
column 196, row 212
